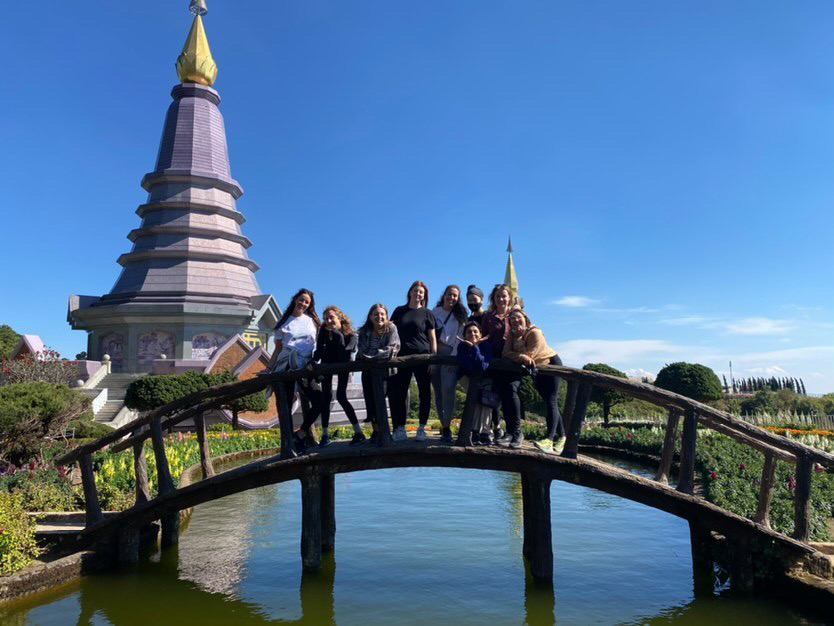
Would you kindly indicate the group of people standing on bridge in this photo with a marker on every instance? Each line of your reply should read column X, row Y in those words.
column 496, row 328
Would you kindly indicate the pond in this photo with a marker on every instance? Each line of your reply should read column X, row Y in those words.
column 413, row 546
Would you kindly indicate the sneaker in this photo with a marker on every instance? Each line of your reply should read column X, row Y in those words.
column 299, row 443
column 559, row 445
column 421, row 433
column 545, row 445
column 497, row 434
column 374, row 438
column 485, row 439
column 399, row 434
column 446, row 435
column 359, row 438
column 515, row 441
column 325, row 441
column 504, row 440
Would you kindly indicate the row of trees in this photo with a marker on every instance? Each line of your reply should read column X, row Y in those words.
column 752, row 385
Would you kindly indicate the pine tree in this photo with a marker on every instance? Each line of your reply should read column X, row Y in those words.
column 726, row 386
column 802, row 383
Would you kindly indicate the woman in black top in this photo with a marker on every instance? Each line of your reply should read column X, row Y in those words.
column 415, row 325
column 336, row 343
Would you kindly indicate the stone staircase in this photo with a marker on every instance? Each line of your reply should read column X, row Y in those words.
column 116, row 385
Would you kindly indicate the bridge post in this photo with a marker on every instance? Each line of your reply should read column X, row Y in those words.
column 766, row 491
column 583, row 397
column 170, row 523
column 686, row 480
column 702, row 564
column 380, row 407
column 92, row 507
column 668, row 454
column 802, row 497
column 328, row 512
column 205, row 453
column 741, row 563
column 284, row 420
column 537, row 530
column 467, row 421
column 127, row 545
column 140, row 470
column 311, row 526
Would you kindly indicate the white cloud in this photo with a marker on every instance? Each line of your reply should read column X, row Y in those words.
column 639, row 373
column 788, row 354
column 626, row 352
column 574, row 302
column 759, row 326
column 770, row 370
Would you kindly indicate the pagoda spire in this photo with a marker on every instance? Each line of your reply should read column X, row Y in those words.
column 195, row 65
column 510, row 277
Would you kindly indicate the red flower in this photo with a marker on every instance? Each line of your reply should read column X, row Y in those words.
column 713, row 475
column 818, row 468
column 742, row 467
column 31, row 466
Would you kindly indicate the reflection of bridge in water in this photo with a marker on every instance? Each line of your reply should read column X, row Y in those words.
column 316, row 471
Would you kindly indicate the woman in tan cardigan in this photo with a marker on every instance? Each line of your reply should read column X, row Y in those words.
column 526, row 345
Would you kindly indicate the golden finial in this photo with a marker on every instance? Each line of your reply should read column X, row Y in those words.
column 195, row 64
column 510, row 277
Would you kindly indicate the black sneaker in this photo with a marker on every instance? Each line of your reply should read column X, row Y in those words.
column 325, row 441
column 298, row 442
column 374, row 438
column 359, row 438
column 446, row 435
column 504, row 440
column 515, row 441
column 497, row 434
column 485, row 439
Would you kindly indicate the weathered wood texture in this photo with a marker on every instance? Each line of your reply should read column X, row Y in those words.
column 470, row 406
column 328, row 512
column 537, row 525
column 202, row 442
column 583, row 397
column 92, row 507
column 140, row 473
column 802, row 498
column 380, row 407
column 311, row 543
column 170, row 532
column 193, row 404
column 127, row 545
column 284, row 405
column 766, row 491
column 163, row 472
column 668, row 454
column 686, row 479
column 525, row 505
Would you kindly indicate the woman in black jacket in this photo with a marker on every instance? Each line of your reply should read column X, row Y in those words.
column 336, row 343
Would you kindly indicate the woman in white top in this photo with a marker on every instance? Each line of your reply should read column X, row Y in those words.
column 295, row 340
column 451, row 317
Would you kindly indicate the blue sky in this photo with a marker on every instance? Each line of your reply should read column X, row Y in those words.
column 666, row 170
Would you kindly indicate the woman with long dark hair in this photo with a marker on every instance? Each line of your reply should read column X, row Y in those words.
column 295, row 340
column 450, row 315
column 415, row 325
column 378, row 341
column 336, row 343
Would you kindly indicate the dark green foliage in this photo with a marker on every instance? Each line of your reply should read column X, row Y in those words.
column 690, row 379
column 29, row 412
column 8, row 341
column 151, row 392
column 88, row 428
column 529, row 396
column 606, row 398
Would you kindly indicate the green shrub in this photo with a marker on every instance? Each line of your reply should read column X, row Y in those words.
column 605, row 398
column 17, row 534
column 690, row 379
column 88, row 428
column 41, row 488
column 29, row 412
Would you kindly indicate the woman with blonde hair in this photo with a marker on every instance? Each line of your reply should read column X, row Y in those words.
column 336, row 343
column 378, row 341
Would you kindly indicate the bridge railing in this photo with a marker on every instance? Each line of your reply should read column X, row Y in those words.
column 580, row 384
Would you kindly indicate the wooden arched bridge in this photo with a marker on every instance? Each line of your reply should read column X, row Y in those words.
column 316, row 470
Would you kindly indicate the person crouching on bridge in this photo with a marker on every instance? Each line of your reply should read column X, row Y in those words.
column 336, row 343
column 527, row 346
column 474, row 355
column 295, row 340
column 415, row 325
column 450, row 315
column 378, row 341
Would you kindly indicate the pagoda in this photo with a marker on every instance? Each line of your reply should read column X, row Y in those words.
column 188, row 284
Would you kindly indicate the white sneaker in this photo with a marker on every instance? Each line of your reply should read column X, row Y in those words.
column 399, row 434
column 421, row 433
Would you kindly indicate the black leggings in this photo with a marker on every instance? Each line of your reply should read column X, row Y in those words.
column 368, row 395
column 341, row 396
column 311, row 403
column 398, row 394
column 548, row 388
